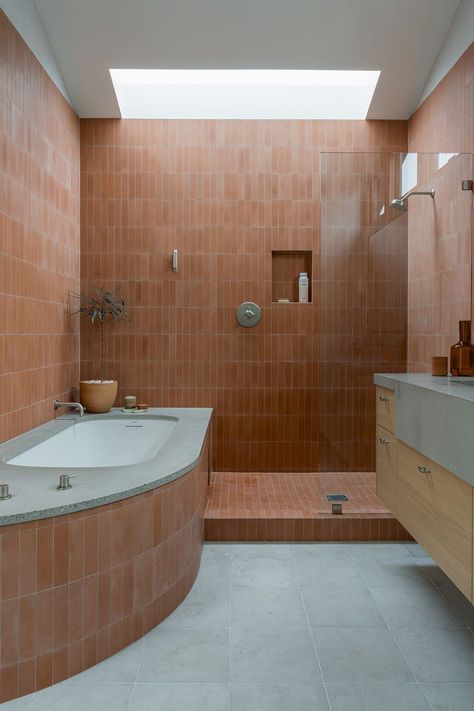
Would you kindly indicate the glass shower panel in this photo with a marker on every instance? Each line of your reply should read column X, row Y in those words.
column 393, row 284
column 362, row 299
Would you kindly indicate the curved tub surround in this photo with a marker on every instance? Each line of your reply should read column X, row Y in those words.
column 34, row 489
column 77, row 588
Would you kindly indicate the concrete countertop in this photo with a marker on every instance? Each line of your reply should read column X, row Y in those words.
column 435, row 415
column 34, row 488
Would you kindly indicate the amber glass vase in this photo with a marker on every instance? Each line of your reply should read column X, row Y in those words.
column 462, row 353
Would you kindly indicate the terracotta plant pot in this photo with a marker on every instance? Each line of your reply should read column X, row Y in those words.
column 96, row 395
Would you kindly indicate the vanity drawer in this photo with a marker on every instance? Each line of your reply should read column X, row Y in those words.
column 435, row 506
column 385, row 408
column 385, row 459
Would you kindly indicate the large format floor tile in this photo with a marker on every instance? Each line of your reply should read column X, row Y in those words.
column 278, row 697
column 82, row 697
column 329, row 607
column 273, row 656
column 269, row 571
column 204, row 608
column 180, row 697
column 267, row 607
column 178, row 655
column 376, row 697
column 313, row 571
column 364, row 655
column 394, row 572
column 418, row 607
column 449, row 697
column 438, row 655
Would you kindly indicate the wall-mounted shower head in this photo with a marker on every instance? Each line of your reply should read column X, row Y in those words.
column 400, row 204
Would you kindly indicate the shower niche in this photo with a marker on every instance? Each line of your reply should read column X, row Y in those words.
column 287, row 265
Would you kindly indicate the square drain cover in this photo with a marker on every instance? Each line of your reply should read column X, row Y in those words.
column 337, row 497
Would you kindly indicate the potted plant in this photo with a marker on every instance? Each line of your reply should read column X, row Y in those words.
column 99, row 395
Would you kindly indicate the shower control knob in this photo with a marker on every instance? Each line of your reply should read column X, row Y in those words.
column 248, row 314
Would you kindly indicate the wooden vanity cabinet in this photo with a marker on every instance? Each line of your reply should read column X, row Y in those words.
column 432, row 503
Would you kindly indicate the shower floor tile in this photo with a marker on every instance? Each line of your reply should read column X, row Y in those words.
column 293, row 506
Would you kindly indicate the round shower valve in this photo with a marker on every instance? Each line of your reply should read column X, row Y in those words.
column 249, row 314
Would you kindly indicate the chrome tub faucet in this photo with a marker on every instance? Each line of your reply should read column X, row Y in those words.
column 72, row 405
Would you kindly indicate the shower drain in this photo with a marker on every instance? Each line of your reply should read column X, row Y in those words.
column 337, row 497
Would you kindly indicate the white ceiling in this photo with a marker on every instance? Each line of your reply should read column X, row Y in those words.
column 399, row 37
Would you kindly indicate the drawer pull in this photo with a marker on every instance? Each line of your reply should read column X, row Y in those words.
column 382, row 440
column 383, row 398
column 424, row 470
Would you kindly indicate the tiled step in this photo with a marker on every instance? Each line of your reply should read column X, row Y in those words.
column 260, row 506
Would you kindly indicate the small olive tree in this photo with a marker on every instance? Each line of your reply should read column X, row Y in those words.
column 103, row 304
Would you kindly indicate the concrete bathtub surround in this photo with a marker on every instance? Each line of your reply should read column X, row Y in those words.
column 86, row 572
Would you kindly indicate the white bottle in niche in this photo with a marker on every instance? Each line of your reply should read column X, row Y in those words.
column 303, row 288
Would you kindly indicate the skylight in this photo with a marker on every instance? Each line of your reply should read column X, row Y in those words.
column 244, row 93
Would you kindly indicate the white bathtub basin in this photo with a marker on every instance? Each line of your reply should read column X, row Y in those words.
column 99, row 443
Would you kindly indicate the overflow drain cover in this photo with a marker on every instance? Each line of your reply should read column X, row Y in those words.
column 337, row 497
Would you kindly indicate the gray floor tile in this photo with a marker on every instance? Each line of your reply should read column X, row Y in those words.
column 273, row 656
column 214, row 572
column 376, row 697
column 328, row 607
column 204, row 608
column 377, row 550
column 271, row 571
column 417, row 607
column 334, row 551
column 267, row 607
column 416, row 550
column 394, row 572
column 185, row 656
column 438, row 655
column 450, row 697
column 324, row 572
column 16, row 704
column 122, row 667
column 363, row 655
column 180, row 697
column 434, row 573
column 459, row 603
column 278, row 697
column 82, row 697
column 265, row 550
column 217, row 549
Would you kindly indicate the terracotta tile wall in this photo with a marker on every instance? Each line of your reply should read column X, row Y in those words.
column 39, row 239
column 76, row 589
column 440, row 284
column 225, row 194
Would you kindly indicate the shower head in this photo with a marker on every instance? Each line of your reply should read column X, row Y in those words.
column 400, row 204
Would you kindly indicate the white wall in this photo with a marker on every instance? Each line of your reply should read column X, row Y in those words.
column 25, row 18
column 459, row 37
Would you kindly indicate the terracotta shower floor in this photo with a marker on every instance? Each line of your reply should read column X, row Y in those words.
column 278, row 506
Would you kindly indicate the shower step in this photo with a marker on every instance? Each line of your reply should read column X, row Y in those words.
column 262, row 506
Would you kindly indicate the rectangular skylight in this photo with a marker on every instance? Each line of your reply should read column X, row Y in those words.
column 244, row 93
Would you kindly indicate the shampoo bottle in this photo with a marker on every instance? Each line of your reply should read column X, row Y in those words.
column 303, row 288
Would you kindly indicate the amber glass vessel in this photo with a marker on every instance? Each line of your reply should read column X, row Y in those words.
column 462, row 353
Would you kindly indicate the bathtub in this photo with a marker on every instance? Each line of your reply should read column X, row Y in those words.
column 130, row 529
column 100, row 443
